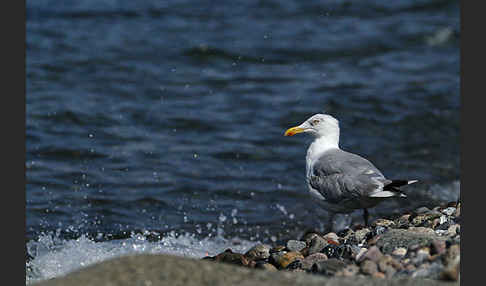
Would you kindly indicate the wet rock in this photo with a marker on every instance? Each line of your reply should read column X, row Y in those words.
column 399, row 252
column 265, row 266
column 311, row 259
column 258, row 252
column 368, row 267
column 361, row 234
column 328, row 267
column 383, row 222
column 317, row 244
column 296, row 245
column 228, row 256
column 282, row 259
column 395, row 238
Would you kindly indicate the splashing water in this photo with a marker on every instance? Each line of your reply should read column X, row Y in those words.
column 54, row 256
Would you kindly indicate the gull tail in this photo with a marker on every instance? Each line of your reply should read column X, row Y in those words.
column 392, row 189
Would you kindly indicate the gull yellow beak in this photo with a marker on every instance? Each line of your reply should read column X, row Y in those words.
column 294, row 130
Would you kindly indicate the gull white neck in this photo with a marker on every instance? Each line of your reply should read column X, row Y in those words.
column 319, row 146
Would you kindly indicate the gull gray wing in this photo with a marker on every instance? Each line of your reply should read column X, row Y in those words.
column 339, row 175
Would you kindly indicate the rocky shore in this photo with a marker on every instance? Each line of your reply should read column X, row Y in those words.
column 417, row 248
column 424, row 243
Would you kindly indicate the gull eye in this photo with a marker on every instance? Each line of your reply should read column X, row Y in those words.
column 315, row 121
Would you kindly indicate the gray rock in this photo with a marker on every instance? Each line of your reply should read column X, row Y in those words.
column 295, row 245
column 317, row 244
column 405, row 238
column 164, row 270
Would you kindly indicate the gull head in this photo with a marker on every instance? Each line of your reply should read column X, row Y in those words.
column 319, row 125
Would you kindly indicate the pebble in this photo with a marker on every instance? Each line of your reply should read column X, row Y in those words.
column 266, row 266
column 282, row 259
column 258, row 252
column 424, row 244
column 379, row 275
column 403, row 221
column 332, row 238
column 438, row 247
column 317, row 244
column 383, row 222
column 308, row 261
column 328, row 267
column 374, row 254
column 360, row 254
column 296, row 245
column 449, row 211
column 453, row 229
column 229, row 256
column 369, row 267
column 399, row 252
column 361, row 234
column 348, row 271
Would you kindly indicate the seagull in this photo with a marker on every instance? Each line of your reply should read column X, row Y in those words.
column 342, row 181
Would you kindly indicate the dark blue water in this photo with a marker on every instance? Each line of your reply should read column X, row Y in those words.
column 161, row 116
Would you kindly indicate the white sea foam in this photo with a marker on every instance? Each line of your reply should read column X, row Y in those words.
column 54, row 256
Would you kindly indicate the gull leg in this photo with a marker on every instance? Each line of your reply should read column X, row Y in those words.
column 366, row 215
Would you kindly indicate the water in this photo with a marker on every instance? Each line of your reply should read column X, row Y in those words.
column 149, row 122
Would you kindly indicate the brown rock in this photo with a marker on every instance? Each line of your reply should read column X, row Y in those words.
column 379, row 275
column 283, row 259
column 452, row 271
column 451, row 254
column 266, row 266
column 228, row 256
column 258, row 252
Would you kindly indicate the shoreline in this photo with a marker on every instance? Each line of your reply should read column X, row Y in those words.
column 420, row 248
